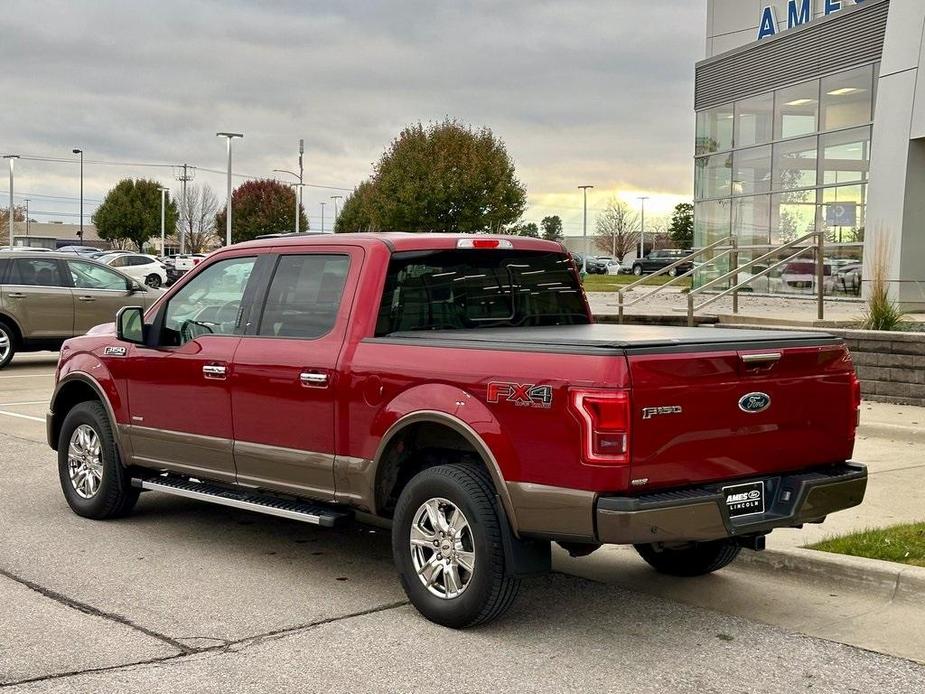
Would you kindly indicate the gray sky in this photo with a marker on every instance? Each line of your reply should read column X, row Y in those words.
column 596, row 92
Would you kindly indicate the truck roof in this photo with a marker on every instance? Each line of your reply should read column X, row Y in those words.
column 400, row 241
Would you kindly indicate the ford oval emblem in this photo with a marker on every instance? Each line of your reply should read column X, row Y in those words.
column 754, row 402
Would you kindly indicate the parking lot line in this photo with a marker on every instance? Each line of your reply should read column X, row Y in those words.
column 22, row 416
column 30, row 402
column 49, row 375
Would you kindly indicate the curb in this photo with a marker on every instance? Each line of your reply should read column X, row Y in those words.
column 898, row 581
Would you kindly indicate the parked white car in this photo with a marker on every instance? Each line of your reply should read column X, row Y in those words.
column 143, row 268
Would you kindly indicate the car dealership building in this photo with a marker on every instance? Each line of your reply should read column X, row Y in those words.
column 810, row 117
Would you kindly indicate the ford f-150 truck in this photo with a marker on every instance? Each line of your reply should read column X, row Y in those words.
column 456, row 388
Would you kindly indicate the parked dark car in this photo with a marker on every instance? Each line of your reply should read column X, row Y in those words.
column 598, row 265
column 662, row 258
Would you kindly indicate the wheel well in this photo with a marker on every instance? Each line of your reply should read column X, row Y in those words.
column 71, row 394
column 413, row 449
column 17, row 334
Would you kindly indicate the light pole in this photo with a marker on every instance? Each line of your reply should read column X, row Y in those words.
column 642, row 227
column 80, row 232
column 164, row 192
column 26, row 200
column 229, row 137
column 335, row 198
column 584, row 230
column 12, row 158
column 298, row 190
column 322, row 216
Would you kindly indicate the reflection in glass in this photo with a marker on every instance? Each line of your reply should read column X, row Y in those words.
column 792, row 215
column 751, row 218
column 847, row 98
column 843, row 213
column 751, row 170
column 714, row 130
column 713, row 176
column 844, row 156
column 754, row 120
column 795, row 164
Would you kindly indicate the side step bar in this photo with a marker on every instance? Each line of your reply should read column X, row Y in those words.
column 305, row 511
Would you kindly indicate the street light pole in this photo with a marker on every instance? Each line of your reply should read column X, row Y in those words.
column 335, row 198
column 298, row 197
column 26, row 200
column 584, row 229
column 80, row 232
column 322, row 216
column 12, row 216
column 164, row 192
column 229, row 137
column 642, row 227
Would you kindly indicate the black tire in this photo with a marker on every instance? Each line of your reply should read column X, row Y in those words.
column 9, row 339
column 673, row 272
column 697, row 559
column 489, row 592
column 153, row 281
column 637, row 270
column 115, row 495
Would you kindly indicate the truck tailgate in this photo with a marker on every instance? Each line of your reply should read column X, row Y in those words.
column 706, row 416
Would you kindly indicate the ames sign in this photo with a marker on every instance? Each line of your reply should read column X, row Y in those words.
column 798, row 12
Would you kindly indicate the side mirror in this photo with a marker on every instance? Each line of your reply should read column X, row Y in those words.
column 130, row 322
column 134, row 287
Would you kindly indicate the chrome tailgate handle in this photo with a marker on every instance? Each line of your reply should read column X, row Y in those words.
column 313, row 380
column 216, row 371
column 765, row 359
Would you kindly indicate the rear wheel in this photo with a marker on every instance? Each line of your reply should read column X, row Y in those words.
column 637, row 270
column 153, row 281
column 446, row 541
column 695, row 559
column 93, row 479
column 673, row 272
column 7, row 344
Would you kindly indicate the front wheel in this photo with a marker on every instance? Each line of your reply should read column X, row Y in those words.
column 153, row 281
column 673, row 272
column 694, row 559
column 446, row 541
column 93, row 479
column 637, row 270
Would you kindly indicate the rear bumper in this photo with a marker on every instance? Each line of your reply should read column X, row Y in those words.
column 699, row 513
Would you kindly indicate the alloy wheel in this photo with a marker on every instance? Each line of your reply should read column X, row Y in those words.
column 6, row 344
column 85, row 461
column 442, row 548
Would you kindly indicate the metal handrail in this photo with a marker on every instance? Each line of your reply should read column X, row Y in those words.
column 668, row 268
column 818, row 247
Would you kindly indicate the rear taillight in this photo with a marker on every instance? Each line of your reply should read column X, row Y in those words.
column 604, row 416
column 856, row 399
column 484, row 243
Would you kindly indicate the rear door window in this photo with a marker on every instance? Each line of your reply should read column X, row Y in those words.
column 92, row 276
column 464, row 289
column 304, row 296
column 36, row 272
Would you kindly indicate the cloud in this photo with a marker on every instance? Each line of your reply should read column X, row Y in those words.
column 581, row 91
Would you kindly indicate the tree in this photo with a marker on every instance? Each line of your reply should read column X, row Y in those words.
column 681, row 227
column 445, row 176
column 617, row 229
column 552, row 228
column 525, row 229
column 19, row 215
column 196, row 220
column 355, row 214
column 261, row 207
column 131, row 213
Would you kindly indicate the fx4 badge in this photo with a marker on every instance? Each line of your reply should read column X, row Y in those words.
column 520, row 394
column 650, row 412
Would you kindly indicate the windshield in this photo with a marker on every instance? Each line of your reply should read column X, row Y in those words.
column 464, row 289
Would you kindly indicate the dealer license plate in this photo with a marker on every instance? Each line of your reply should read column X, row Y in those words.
column 744, row 499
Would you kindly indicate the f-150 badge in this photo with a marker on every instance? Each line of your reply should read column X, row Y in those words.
column 520, row 394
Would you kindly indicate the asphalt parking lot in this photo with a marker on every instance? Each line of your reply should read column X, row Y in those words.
column 184, row 596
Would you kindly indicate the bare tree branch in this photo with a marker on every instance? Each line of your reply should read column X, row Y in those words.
column 617, row 229
column 197, row 218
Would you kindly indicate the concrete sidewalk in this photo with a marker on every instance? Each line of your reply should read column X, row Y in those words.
column 891, row 442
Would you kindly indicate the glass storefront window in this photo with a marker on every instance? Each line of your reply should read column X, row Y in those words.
column 792, row 215
column 713, row 176
column 795, row 164
column 711, row 221
column 844, row 157
column 714, row 130
column 754, row 120
column 847, row 98
column 796, row 110
column 751, row 218
column 751, row 170
column 843, row 213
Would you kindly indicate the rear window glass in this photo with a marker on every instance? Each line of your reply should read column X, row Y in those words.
column 464, row 289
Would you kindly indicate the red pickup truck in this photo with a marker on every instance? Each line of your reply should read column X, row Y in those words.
column 456, row 388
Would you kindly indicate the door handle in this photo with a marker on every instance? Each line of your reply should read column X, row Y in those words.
column 313, row 380
column 86, row 298
column 16, row 295
column 216, row 371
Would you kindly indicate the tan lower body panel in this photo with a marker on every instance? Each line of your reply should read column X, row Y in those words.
column 288, row 470
column 693, row 522
column 555, row 512
column 354, row 482
column 189, row 454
